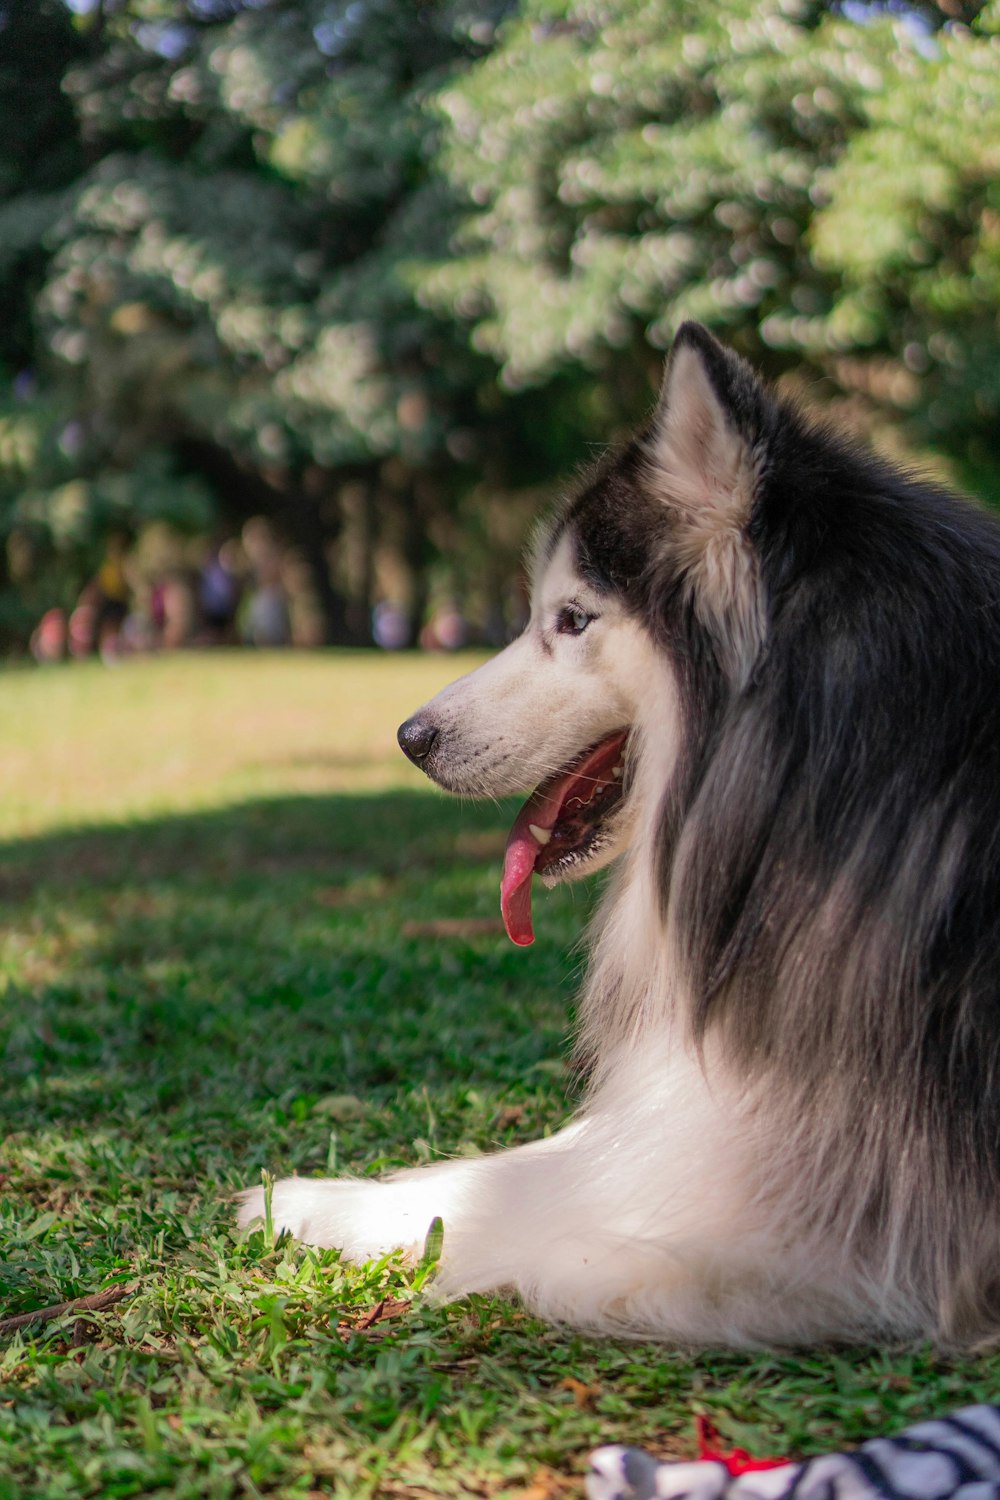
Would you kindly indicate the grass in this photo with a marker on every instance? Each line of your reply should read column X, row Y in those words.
column 217, row 889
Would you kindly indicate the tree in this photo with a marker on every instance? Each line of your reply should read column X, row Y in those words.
column 817, row 183
column 382, row 271
column 224, row 281
column 909, row 231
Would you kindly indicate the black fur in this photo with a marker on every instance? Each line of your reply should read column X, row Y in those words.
column 831, row 844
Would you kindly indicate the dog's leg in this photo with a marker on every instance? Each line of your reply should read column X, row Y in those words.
column 645, row 1216
column 584, row 1230
column 606, row 1224
column 365, row 1219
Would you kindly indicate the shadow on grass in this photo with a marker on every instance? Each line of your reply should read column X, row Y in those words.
column 220, row 973
column 341, row 835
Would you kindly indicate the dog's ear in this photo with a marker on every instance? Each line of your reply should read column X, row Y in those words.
column 704, row 465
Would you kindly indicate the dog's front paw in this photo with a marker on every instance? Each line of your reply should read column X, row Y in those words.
column 361, row 1219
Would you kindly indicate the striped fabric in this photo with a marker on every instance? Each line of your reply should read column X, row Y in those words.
column 951, row 1458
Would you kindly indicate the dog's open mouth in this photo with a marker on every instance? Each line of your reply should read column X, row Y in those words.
column 563, row 823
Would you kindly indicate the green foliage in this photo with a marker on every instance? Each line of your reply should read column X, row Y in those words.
column 911, row 228
column 794, row 176
column 438, row 246
column 223, row 271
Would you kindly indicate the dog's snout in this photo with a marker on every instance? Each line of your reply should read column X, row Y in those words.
column 415, row 738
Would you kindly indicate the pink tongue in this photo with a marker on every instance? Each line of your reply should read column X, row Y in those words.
column 519, row 866
column 542, row 809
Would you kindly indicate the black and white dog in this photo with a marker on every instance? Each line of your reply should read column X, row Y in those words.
column 762, row 673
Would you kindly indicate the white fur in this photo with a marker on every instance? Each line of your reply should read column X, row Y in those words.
column 669, row 1207
column 648, row 1215
column 511, row 723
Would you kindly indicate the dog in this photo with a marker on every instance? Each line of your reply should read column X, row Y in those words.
column 761, row 677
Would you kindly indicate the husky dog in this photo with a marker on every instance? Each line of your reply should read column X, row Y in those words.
column 762, row 674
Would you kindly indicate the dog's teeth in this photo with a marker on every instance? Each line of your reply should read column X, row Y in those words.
column 616, row 772
column 540, row 835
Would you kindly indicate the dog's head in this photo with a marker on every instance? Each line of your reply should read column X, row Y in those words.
column 658, row 540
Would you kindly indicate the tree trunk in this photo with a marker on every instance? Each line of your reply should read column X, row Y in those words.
column 359, row 513
column 307, row 519
column 416, row 556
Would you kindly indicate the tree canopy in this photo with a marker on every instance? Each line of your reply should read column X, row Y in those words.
column 383, row 271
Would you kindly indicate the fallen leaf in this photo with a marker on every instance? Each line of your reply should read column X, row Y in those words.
column 583, row 1395
column 512, row 1115
column 388, row 1307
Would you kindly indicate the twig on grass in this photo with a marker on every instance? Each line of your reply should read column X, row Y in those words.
column 96, row 1302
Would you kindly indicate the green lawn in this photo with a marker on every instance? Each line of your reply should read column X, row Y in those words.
column 218, row 886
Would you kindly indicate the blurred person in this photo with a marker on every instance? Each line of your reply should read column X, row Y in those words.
column 82, row 626
column 220, row 589
column 50, row 637
column 446, row 630
column 138, row 635
column 390, row 626
column 111, row 597
column 177, row 605
column 158, row 608
column 267, row 618
column 267, row 621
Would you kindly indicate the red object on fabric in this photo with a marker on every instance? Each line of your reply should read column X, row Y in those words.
column 737, row 1460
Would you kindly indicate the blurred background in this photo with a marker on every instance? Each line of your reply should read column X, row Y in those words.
column 307, row 306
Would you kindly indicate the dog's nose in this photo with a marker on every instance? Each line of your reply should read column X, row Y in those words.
column 415, row 738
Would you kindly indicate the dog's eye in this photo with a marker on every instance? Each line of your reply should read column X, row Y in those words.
column 572, row 620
